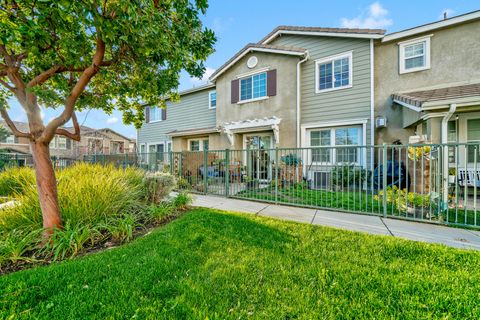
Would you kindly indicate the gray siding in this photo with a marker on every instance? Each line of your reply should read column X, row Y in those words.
column 191, row 112
column 338, row 105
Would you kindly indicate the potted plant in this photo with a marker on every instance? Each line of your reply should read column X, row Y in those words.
column 452, row 174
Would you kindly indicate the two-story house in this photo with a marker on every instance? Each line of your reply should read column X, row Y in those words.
column 297, row 87
column 427, row 82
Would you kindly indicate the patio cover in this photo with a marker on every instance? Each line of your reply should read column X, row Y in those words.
column 233, row 127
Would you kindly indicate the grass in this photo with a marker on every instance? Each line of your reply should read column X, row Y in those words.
column 217, row 265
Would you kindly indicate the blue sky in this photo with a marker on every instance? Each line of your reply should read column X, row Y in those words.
column 237, row 23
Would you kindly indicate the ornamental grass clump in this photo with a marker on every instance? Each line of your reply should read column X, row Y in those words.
column 99, row 204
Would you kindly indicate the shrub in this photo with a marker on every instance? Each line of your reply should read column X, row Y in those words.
column 156, row 213
column 400, row 198
column 183, row 184
column 13, row 180
column 70, row 241
column 347, row 176
column 182, row 200
column 158, row 186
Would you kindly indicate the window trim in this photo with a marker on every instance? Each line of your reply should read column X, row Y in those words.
column 8, row 137
column 150, row 119
column 401, row 55
column 334, row 147
column 324, row 60
column 200, row 143
column 210, row 99
column 57, row 139
column 240, row 101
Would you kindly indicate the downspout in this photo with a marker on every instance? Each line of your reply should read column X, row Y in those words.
column 446, row 118
column 372, row 104
column 298, row 96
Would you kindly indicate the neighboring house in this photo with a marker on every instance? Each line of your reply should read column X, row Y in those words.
column 188, row 122
column 102, row 141
column 99, row 141
column 427, row 82
column 60, row 146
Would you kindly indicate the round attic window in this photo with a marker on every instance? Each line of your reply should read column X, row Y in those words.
column 252, row 62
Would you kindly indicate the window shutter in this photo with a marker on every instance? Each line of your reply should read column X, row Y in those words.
column 164, row 113
column 69, row 144
column 234, row 93
column 272, row 82
column 147, row 114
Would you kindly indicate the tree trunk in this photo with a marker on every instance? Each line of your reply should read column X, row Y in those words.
column 46, row 186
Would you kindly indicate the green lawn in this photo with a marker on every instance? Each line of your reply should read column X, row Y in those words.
column 222, row 265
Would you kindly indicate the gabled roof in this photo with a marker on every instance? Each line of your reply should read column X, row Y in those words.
column 259, row 48
column 428, row 98
column 22, row 126
column 470, row 16
column 320, row 31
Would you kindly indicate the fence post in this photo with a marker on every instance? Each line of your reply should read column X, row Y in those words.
column 125, row 165
column 170, row 161
column 227, row 172
column 384, row 178
column 205, row 170
column 276, row 175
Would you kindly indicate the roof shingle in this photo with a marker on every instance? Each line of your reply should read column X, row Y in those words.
column 418, row 98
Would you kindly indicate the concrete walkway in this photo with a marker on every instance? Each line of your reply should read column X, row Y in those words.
column 453, row 237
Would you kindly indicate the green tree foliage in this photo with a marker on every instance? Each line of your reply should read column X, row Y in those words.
column 109, row 54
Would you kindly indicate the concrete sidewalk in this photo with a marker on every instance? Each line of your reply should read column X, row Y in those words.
column 453, row 237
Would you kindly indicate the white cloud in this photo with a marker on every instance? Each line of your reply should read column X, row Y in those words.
column 448, row 11
column 112, row 120
column 375, row 17
column 198, row 82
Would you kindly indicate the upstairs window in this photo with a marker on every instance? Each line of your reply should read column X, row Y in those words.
column 334, row 72
column 156, row 114
column 414, row 55
column 253, row 87
column 212, row 97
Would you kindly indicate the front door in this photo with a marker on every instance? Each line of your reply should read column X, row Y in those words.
column 259, row 156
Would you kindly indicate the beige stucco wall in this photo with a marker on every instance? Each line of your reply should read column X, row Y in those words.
column 455, row 60
column 282, row 106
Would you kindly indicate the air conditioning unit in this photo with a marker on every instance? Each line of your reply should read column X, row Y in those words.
column 380, row 122
column 320, row 180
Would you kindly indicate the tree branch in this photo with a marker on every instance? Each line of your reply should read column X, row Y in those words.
column 6, row 85
column 12, row 126
column 72, row 135
column 77, row 90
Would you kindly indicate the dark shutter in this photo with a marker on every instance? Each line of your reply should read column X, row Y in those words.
column 69, row 144
column 147, row 114
column 164, row 113
column 234, row 94
column 271, row 82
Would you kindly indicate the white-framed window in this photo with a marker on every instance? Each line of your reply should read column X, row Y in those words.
column 198, row 144
column 347, row 137
column 212, row 99
column 143, row 148
column 10, row 139
column 155, row 114
column 253, row 87
column 61, row 143
column 414, row 54
column 334, row 72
